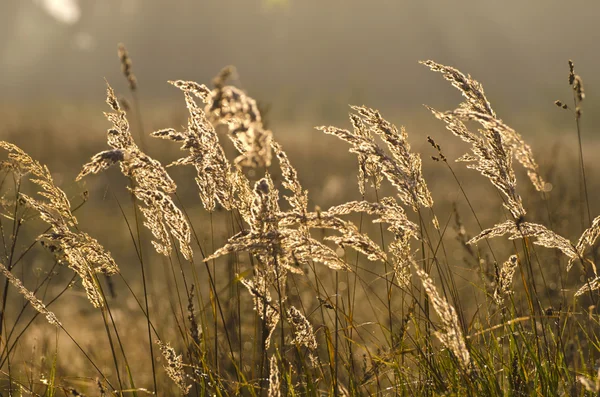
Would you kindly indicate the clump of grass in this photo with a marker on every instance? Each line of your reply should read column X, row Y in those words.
column 287, row 261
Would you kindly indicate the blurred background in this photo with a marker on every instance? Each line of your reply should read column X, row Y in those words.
column 304, row 61
column 309, row 55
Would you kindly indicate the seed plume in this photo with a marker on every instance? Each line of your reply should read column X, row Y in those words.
column 174, row 366
column 587, row 240
column 477, row 107
column 451, row 334
column 504, row 279
column 303, row 330
column 82, row 253
column 590, row 285
column 274, row 381
column 231, row 107
column 126, row 66
column 30, row 296
column 206, row 155
column 491, row 157
column 544, row 236
column 152, row 183
column 402, row 169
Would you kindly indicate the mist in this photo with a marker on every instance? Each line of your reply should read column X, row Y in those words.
column 299, row 52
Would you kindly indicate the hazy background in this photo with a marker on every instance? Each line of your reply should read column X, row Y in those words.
column 309, row 55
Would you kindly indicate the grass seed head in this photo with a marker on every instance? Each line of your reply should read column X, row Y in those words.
column 274, row 380
column 174, row 366
column 126, row 66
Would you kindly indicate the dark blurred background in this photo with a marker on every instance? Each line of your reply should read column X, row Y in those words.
column 304, row 55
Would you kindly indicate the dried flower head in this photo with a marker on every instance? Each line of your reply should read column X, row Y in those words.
column 164, row 219
column 214, row 175
column 402, row 169
column 152, row 183
column 299, row 198
column 231, row 107
column 590, row 285
column 303, row 330
column 126, row 66
column 471, row 89
column 174, row 366
column 58, row 208
column 274, row 380
column 478, row 108
column 30, row 296
column 517, row 230
column 587, row 240
column 264, row 305
column 491, row 157
column 504, row 277
column 451, row 334
column 83, row 254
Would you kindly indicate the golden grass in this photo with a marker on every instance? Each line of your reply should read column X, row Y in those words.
column 329, row 304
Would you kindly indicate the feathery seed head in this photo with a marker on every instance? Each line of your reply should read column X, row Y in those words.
column 83, row 254
column 126, row 66
column 578, row 88
column 303, row 330
column 571, row 72
column 174, row 366
column 504, row 278
column 477, row 108
column 274, row 380
column 30, row 297
column 590, row 285
column 402, row 169
column 451, row 334
column 152, row 182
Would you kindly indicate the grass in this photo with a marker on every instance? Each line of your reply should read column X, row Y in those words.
column 241, row 284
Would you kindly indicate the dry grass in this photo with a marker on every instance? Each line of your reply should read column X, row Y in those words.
column 263, row 292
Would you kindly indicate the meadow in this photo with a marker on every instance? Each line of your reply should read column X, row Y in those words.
column 238, row 260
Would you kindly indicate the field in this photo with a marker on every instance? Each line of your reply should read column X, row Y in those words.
column 252, row 257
